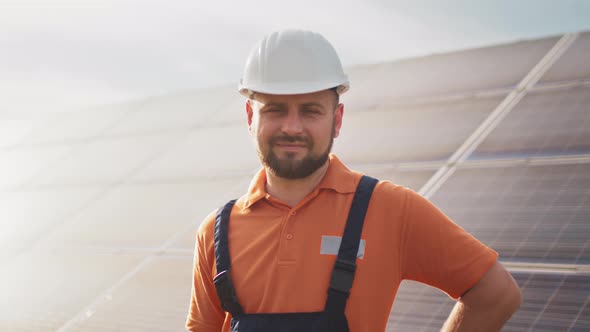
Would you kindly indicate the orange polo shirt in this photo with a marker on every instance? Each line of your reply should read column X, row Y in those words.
column 282, row 257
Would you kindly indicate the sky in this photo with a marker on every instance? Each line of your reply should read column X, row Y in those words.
column 68, row 55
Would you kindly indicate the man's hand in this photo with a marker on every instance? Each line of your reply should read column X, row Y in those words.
column 488, row 305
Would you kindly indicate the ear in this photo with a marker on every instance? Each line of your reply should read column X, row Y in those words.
column 249, row 113
column 338, row 113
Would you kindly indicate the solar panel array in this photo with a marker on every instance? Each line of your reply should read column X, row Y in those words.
column 544, row 123
column 99, row 207
column 531, row 213
column 525, row 191
column 552, row 302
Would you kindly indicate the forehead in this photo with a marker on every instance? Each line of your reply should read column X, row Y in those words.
column 323, row 97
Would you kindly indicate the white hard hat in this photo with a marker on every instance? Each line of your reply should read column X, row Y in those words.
column 293, row 62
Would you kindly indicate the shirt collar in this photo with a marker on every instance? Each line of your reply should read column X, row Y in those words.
column 338, row 177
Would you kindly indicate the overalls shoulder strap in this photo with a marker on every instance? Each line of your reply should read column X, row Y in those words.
column 344, row 268
column 345, row 265
column 223, row 283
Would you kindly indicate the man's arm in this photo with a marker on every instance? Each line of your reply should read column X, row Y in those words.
column 487, row 305
column 205, row 313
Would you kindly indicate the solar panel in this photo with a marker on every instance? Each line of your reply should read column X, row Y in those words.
column 573, row 64
column 19, row 164
column 526, row 213
column 154, row 299
column 234, row 112
column 418, row 307
column 175, row 112
column 14, row 128
column 413, row 179
column 144, row 215
column 169, row 161
column 551, row 302
column 106, row 160
column 238, row 188
column 40, row 292
column 187, row 240
column 547, row 123
column 213, row 151
column 72, row 126
column 28, row 216
column 411, row 133
column 458, row 72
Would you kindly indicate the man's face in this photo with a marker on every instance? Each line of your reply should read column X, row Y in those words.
column 294, row 133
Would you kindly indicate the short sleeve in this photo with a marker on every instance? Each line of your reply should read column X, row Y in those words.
column 205, row 313
column 439, row 253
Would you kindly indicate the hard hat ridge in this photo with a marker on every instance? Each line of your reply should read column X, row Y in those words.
column 293, row 62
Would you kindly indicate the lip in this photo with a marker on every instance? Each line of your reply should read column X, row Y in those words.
column 291, row 147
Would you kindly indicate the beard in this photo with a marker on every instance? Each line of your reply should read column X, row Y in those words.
column 289, row 167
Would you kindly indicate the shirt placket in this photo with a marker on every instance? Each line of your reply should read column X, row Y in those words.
column 288, row 247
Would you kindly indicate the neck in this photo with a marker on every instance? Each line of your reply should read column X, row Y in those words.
column 292, row 191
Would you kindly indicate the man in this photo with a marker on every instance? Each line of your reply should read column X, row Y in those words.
column 314, row 246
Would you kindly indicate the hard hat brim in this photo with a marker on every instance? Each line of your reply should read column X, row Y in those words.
column 293, row 88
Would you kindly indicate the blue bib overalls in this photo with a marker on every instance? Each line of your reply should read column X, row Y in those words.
column 332, row 319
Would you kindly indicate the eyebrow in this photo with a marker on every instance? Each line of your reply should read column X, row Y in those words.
column 313, row 104
column 284, row 104
column 274, row 104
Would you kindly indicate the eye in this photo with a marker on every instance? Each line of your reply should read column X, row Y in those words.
column 311, row 111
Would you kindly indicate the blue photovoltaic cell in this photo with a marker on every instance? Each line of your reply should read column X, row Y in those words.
column 542, row 124
column 408, row 133
column 419, row 307
column 551, row 302
column 526, row 213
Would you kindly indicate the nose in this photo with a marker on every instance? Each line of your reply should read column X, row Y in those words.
column 292, row 123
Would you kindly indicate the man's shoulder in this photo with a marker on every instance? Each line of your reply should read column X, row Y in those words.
column 389, row 197
column 207, row 227
column 383, row 187
column 387, row 187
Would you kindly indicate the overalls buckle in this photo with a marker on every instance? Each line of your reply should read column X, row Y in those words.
column 342, row 276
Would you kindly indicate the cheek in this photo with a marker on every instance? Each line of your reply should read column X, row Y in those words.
column 266, row 129
column 321, row 137
column 261, row 131
column 261, row 135
column 325, row 131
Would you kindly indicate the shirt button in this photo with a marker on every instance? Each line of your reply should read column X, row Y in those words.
column 289, row 236
column 293, row 213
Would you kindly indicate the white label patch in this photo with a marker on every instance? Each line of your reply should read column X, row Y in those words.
column 331, row 244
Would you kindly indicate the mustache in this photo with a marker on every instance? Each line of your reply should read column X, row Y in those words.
column 290, row 139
